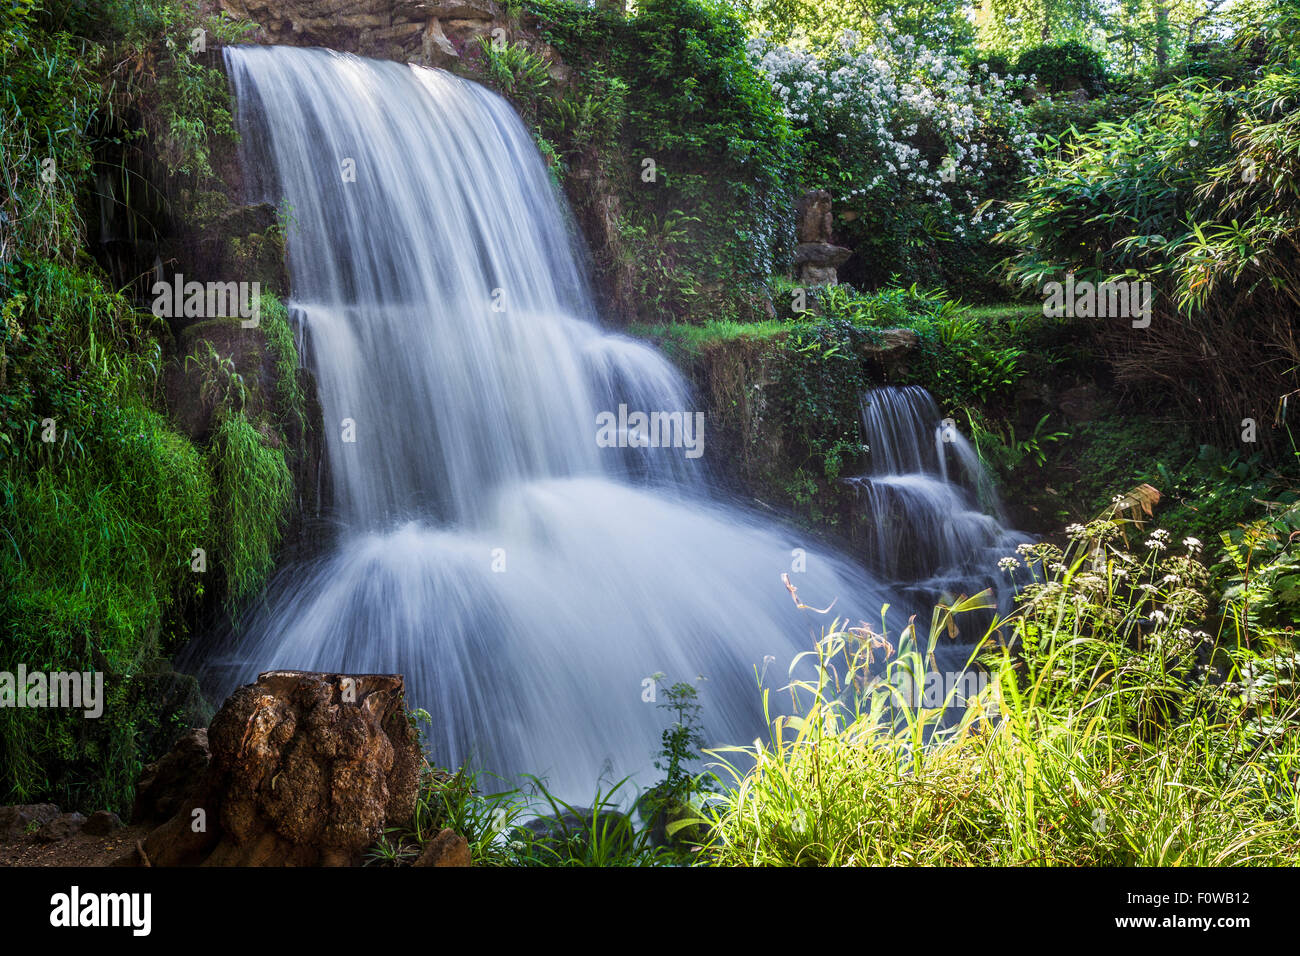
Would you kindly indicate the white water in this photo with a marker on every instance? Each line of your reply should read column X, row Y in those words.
column 525, row 580
column 926, row 491
column 476, row 444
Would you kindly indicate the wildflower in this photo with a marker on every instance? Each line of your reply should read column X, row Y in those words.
column 1192, row 544
column 1008, row 564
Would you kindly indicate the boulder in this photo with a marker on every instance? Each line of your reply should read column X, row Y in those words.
column 447, row 848
column 306, row 769
column 62, row 827
column 17, row 822
column 170, row 783
column 890, row 340
column 102, row 823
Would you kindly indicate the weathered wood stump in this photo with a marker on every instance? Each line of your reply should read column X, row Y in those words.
column 305, row 769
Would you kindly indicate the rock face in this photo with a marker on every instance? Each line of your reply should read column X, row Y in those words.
column 816, row 257
column 305, row 769
column 429, row 32
column 246, row 351
column 170, row 783
column 192, row 408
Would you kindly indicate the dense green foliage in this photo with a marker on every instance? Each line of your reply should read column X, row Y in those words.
column 1101, row 737
column 1061, row 67
column 666, row 114
column 1196, row 193
column 1141, row 706
column 103, row 502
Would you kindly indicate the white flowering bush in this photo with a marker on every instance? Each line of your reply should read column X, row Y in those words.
column 911, row 144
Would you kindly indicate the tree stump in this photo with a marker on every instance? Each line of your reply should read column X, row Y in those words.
column 306, row 769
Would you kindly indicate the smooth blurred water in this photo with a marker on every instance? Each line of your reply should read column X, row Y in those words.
column 929, row 500
column 525, row 580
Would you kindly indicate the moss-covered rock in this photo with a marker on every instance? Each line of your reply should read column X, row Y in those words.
column 782, row 405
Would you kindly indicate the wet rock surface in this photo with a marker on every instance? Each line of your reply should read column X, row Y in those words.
column 19, row 821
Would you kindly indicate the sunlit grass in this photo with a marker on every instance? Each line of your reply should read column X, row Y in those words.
column 1099, row 741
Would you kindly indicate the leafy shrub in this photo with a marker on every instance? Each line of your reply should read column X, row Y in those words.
column 1262, row 568
column 1197, row 194
column 99, row 525
column 673, row 84
column 912, row 150
column 1065, row 66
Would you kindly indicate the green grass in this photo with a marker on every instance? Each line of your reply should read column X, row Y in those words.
column 95, row 559
column 695, row 338
column 1097, row 741
column 492, row 825
column 996, row 312
column 289, row 399
column 253, row 494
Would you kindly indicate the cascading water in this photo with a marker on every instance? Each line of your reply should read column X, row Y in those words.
column 925, row 493
column 525, row 579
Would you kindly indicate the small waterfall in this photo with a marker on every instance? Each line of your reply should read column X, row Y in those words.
column 925, row 494
column 526, row 579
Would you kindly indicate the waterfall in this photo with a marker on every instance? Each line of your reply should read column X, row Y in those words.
column 526, row 577
column 928, row 498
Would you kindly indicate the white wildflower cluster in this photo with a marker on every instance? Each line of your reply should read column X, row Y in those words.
column 878, row 98
column 1159, row 540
